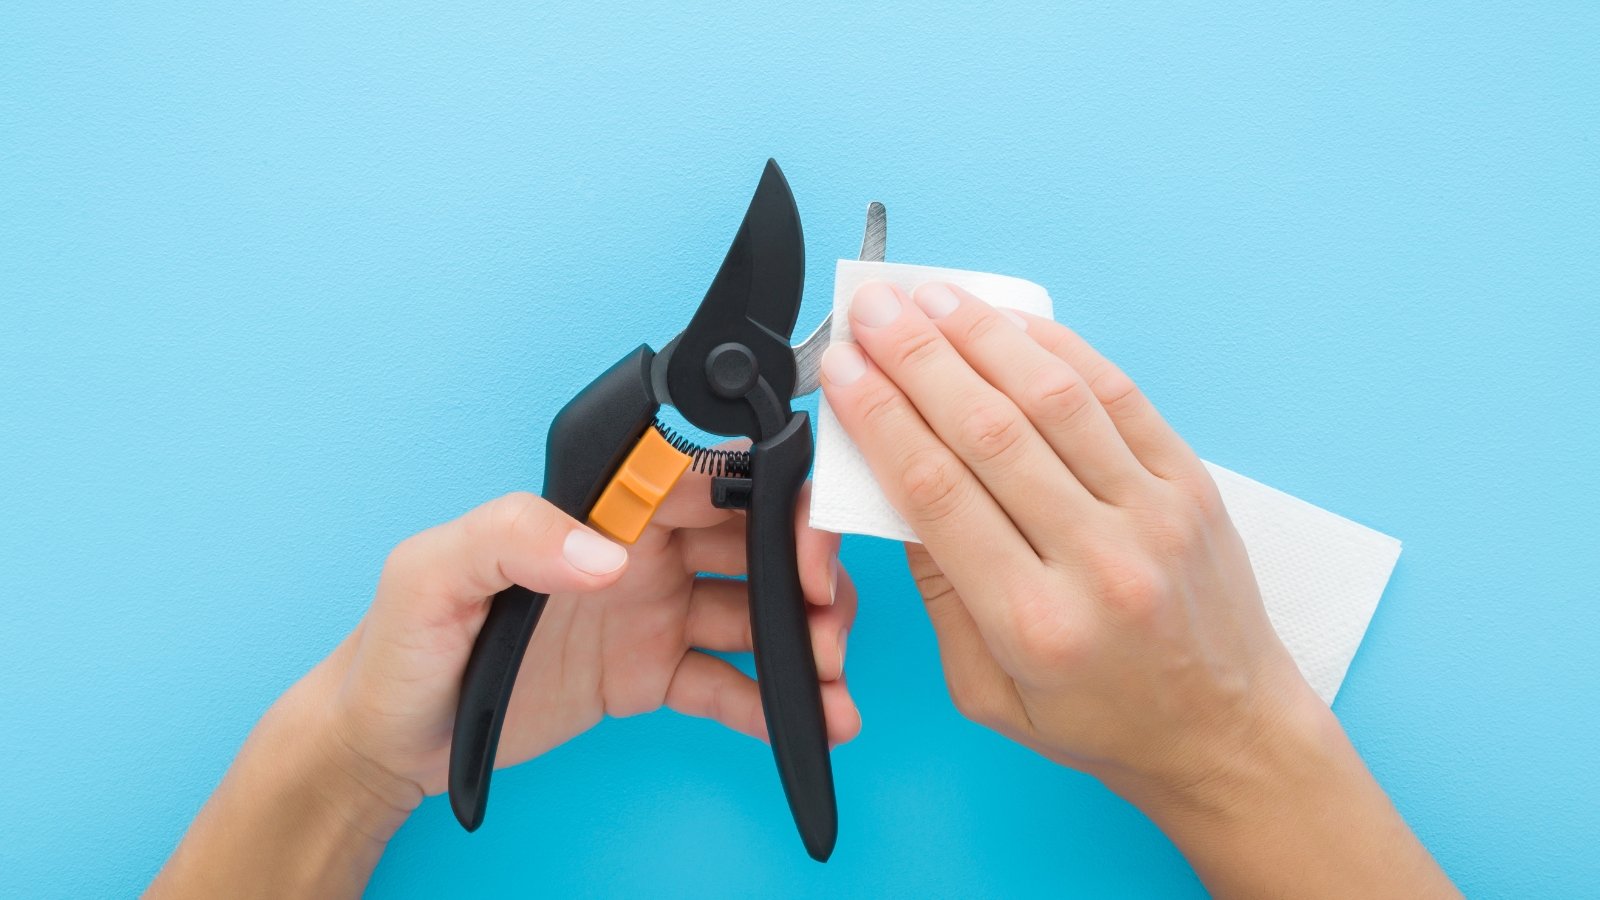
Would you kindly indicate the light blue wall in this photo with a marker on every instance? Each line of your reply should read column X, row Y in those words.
column 281, row 283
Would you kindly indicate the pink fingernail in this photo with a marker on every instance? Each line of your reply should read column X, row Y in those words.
column 833, row 579
column 875, row 304
column 937, row 300
column 1020, row 321
column 592, row 553
column 843, row 364
column 844, row 638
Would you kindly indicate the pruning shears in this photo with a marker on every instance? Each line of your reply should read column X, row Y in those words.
column 609, row 461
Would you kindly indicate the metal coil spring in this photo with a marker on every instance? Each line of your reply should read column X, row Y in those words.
column 708, row 460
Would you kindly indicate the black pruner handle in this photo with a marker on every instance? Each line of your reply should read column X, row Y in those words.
column 786, row 668
column 588, row 440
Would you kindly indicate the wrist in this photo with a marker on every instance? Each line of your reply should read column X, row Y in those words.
column 341, row 783
column 296, row 814
column 327, row 810
column 1277, row 737
column 1289, row 809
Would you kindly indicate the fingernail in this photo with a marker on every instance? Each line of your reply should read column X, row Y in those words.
column 844, row 638
column 843, row 364
column 1020, row 321
column 937, row 300
column 592, row 553
column 833, row 579
column 875, row 305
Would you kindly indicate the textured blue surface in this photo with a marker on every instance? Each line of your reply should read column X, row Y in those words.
column 281, row 283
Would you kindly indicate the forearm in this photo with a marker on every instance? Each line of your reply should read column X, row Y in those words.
column 294, row 816
column 1296, row 814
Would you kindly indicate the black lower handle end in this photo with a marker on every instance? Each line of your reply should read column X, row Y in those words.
column 485, row 693
column 786, row 667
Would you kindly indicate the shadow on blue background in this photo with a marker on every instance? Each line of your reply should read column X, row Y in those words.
column 283, row 283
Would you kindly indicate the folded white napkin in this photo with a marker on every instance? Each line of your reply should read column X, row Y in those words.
column 1320, row 574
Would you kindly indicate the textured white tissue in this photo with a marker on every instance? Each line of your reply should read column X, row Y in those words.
column 1320, row 574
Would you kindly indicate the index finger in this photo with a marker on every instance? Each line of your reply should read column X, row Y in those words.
column 688, row 506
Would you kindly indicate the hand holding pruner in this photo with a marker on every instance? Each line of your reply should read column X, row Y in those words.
column 609, row 461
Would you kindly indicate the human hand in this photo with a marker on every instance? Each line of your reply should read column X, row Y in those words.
column 1090, row 596
column 1093, row 601
column 622, row 633
column 336, row 765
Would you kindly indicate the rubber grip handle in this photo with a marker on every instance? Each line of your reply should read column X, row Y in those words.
column 786, row 669
column 589, row 438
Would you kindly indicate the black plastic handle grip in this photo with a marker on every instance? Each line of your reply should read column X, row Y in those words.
column 588, row 440
column 786, row 668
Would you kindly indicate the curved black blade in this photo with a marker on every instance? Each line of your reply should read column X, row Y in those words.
column 754, row 300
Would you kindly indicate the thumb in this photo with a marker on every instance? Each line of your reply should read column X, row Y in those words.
column 405, row 674
column 516, row 539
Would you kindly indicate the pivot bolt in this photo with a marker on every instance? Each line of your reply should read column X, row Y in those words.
column 731, row 369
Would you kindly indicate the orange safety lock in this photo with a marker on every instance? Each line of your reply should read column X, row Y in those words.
column 642, row 482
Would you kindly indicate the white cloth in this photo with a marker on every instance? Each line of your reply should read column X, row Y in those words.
column 1320, row 574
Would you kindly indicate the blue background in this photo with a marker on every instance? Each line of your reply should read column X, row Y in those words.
column 281, row 283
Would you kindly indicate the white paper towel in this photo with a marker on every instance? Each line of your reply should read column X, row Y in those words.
column 1320, row 574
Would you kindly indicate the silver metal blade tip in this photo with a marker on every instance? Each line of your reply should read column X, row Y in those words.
column 808, row 353
column 874, row 238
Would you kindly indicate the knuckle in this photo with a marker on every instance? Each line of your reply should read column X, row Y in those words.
column 524, row 518
column 412, row 568
column 401, row 557
column 880, row 402
column 991, row 430
column 1130, row 588
column 1054, row 340
column 1044, row 636
column 502, row 513
column 1046, row 641
column 963, row 696
column 1057, row 396
column 979, row 327
column 1115, row 390
column 975, row 703
column 934, row 586
column 1202, row 495
column 917, row 350
column 931, row 484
